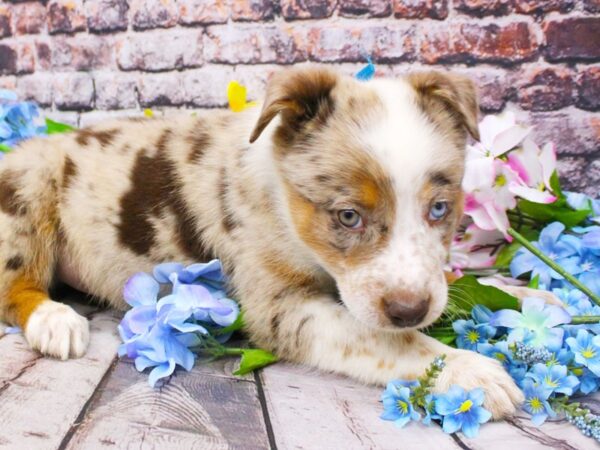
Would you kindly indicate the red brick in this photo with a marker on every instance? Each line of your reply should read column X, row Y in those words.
column 469, row 42
column 254, row 44
column 573, row 39
column 161, row 89
column 306, row 9
column 202, row 12
column 154, row 13
column 592, row 6
column 483, row 7
column 44, row 54
column 421, row 9
column 107, row 15
column 493, row 85
column 28, row 18
column 16, row 58
column 66, row 16
column 5, row 22
column 382, row 43
column 166, row 50
column 573, row 131
column 252, row 10
column 73, row 91
column 588, row 89
column 36, row 87
column 542, row 6
column 207, row 87
column 115, row 90
column 84, row 52
column 370, row 8
column 545, row 89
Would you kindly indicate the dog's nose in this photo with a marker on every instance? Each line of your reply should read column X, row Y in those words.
column 403, row 314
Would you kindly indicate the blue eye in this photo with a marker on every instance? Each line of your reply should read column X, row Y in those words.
column 438, row 210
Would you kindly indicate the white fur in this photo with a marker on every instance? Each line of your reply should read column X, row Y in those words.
column 57, row 330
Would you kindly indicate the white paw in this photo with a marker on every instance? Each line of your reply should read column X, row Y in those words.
column 471, row 370
column 55, row 329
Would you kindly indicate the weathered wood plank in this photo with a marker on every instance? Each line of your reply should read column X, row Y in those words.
column 312, row 410
column 41, row 397
column 206, row 408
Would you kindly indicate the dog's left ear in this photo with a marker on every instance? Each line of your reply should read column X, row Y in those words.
column 298, row 95
column 450, row 94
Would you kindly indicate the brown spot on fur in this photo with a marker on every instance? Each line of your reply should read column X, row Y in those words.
column 407, row 338
column 450, row 102
column 289, row 275
column 10, row 202
column 380, row 364
column 300, row 96
column 14, row 263
column 199, row 140
column 22, row 299
column 151, row 196
column 104, row 137
column 228, row 220
column 275, row 322
column 301, row 325
column 347, row 351
column 69, row 171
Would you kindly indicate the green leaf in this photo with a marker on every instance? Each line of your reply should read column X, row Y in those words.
column 53, row 127
column 467, row 292
column 555, row 185
column 4, row 148
column 557, row 211
column 506, row 255
column 535, row 282
column 235, row 326
column 254, row 358
column 447, row 339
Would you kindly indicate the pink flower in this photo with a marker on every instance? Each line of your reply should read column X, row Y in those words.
column 534, row 167
column 474, row 248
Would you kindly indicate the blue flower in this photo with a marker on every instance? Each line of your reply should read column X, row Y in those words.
column 397, row 405
column 535, row 324
column 18, row 120
column 470, row 335
column 430, row 413
column 586, row 348
column 536, row 402
column 462, row 410
column 481, row 314
column 553, row 378
column 589, row 382
column 367, row 72
column 562, row 250
column 500, row 351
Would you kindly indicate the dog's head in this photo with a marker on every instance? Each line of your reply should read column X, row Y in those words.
column 372, row 178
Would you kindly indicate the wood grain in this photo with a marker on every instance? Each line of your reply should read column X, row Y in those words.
column 311, row 410
column 41, row 397
column 206, row 408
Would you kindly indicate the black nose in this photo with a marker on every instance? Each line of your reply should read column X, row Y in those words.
column 403, row 314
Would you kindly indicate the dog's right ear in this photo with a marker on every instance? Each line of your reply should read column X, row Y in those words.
column 299, row 95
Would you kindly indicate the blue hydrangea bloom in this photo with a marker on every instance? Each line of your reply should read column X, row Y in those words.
column 397, row 405
column 462, row 410
column 469, row 335
column 18, row 120
column 586, row 348
column 535, row 325
column 159, row 333
column 536, row 401
column 553, row 378
column 562, row 249
column 367, row 72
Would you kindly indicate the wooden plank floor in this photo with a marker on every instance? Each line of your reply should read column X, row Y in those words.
column 100, row 402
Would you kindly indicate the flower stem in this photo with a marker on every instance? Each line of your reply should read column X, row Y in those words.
column 581, row 320
column 570, row 278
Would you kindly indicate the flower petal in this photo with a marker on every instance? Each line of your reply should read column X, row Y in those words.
column 141, row 289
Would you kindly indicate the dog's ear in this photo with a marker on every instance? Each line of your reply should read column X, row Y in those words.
column 299, row 95
column 448, row 94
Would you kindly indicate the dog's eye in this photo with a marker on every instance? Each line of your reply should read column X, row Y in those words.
column 350, row 218
column 438, row 210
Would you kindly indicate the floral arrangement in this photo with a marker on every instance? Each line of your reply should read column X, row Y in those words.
column 520, row 228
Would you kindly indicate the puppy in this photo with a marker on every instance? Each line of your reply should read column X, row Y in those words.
column 332, row 208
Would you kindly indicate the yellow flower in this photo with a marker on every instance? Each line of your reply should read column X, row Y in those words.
column 236, row 94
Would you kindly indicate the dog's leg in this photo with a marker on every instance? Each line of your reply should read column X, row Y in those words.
column 29, row 223
column 320, row 332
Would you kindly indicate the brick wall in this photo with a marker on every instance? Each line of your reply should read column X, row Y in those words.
column 540, row 58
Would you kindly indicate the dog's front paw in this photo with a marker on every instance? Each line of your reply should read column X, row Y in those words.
column 471, row 370
column 55, row 329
